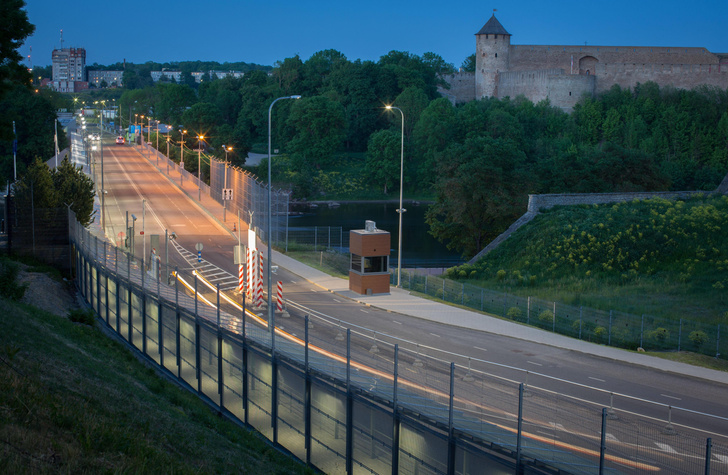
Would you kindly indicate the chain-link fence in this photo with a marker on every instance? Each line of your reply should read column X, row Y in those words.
column 611, row 328
column 348, row 399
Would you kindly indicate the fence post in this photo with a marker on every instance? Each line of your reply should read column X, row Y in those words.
column 520, row 428
column 307, row 397
column 708, row 454
column 220, row 384
column 198, row 359
column 603, row 443
column 717, row 343
column 395, row 414
column 553, row 328
column 425, row 284
column 178, row 323
column 462, row 301
column 118, row 307
column 450, row 424
column 642, row 330
column 505, row 303
column 679, row 336
column 528, row 311
column 481, row 299
column 609, row 341
column 349, row 408
column 581, row 319
column 315, row 238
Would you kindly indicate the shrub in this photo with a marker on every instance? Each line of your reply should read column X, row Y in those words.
column 84, row 316
column 600, row 333
column 9, row 286
column 514, row 313
column 698, row 338
column 547, row 316
column 501, row 274
column 659, row 335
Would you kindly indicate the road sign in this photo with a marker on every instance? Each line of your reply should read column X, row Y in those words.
column 198, row 246
column 141, row 233
column 227, row 194
column 199, row 256
column 238, row 254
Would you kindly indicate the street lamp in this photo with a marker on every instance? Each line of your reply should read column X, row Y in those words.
column 401, row 209
column 271, row 323
column 224, row 186
column 200, row 139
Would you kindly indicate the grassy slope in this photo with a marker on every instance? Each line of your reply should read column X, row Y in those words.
column 73, row 400
column 664, row 258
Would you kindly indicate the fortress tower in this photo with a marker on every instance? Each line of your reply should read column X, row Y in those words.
column 492, row 46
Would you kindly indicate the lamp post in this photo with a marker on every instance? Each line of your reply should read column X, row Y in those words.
column 224, row 185
column 141, row 130
column 400, row 210
column 271, row 323
column 200, row 139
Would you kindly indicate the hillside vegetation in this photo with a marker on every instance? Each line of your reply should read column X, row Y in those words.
column 75, row 401
column 659, row 257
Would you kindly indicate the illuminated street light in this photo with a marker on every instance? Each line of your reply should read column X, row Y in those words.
column 401, row 209
column 271, row 323
column 200, row 139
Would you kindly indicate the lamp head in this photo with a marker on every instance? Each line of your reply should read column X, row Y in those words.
column 295, row 97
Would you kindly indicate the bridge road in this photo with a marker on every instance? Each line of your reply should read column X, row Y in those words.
column 129, row 177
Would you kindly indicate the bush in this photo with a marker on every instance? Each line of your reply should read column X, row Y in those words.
column 84, row 316
column 698, row 338
column 600, row 334
column 514, row 313
column 660, row 335
column 9, row 286
column 547, row 316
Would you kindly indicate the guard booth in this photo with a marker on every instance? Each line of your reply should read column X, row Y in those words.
column 369, row 262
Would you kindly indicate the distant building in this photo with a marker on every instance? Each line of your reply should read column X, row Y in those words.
column 167, row 75
column 68, row 69
column 197, row 75
column 564, row 73
column 112, row 78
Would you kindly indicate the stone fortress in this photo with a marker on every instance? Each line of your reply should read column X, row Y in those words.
column 563, row 74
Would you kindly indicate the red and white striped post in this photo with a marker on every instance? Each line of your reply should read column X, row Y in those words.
column 241, row 278
column 279, row 302
column 259, row 281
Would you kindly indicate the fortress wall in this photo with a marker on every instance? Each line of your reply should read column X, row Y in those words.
column 539, row 202
column 530, row 57
column 562, row 90
column 681, row 76
column 462, row 87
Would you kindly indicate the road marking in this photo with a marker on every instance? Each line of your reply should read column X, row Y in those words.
column 533, row 362
column 337, row 300
column 666, row 448
column 435, row 334
column 395, row 321
column 479, row 348
column 550, row 434
column 671, row 397
column 597, row 379
column 362, row 310
column 557, row 426
column 721, row 458
column 611, row 438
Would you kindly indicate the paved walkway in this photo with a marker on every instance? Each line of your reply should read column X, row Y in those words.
column 403, row 302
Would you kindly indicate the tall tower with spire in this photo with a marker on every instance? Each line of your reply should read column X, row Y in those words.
column 492, row 52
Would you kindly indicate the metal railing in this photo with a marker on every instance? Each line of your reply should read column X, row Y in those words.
column 347, row 399
column 613, row 328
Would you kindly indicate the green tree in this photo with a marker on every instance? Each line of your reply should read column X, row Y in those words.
column 74, row 188
column 468, row 65
column 16, row 28
column 35, row 188
column 319, row 129
column 383, row 158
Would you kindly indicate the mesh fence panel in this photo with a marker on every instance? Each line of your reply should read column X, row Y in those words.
column 169, row 338
column 372, row 439
column 232, row 370
column 259, row 393
column 421, row 452
column 152, row 327
column 209, row 363
column 328, row 429
column 291, row 427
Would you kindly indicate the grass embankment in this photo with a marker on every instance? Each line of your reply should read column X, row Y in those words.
column 656, row 257
column 73, row 400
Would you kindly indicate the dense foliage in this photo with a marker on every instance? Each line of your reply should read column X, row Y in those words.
column 586, row 249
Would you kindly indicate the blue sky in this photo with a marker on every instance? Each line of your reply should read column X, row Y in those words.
column 264, row 32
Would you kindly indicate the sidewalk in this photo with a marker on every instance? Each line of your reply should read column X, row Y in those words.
column 403, row 302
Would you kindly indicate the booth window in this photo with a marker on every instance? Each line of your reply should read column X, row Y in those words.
column 369, row 265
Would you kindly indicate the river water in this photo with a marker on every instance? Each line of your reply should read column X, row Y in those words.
column 419, row 248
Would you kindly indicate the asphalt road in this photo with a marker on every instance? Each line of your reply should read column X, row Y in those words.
column 130, row 178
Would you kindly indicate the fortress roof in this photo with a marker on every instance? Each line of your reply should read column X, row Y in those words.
column 493, row 27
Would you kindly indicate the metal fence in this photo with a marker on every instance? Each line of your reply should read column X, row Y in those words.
column 346, row 399
column 611, row 328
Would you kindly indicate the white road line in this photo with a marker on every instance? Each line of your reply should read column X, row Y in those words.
column 479, row 348
column 337, row 300
column 395, row 321
column 362, row 310
column 666, row 448
column 611, row 438
column 556, row 426
column 671, row 397
column 721, row 458
column 435, row 334
column 550, row 434
column 533, row 362
column 597, row 379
